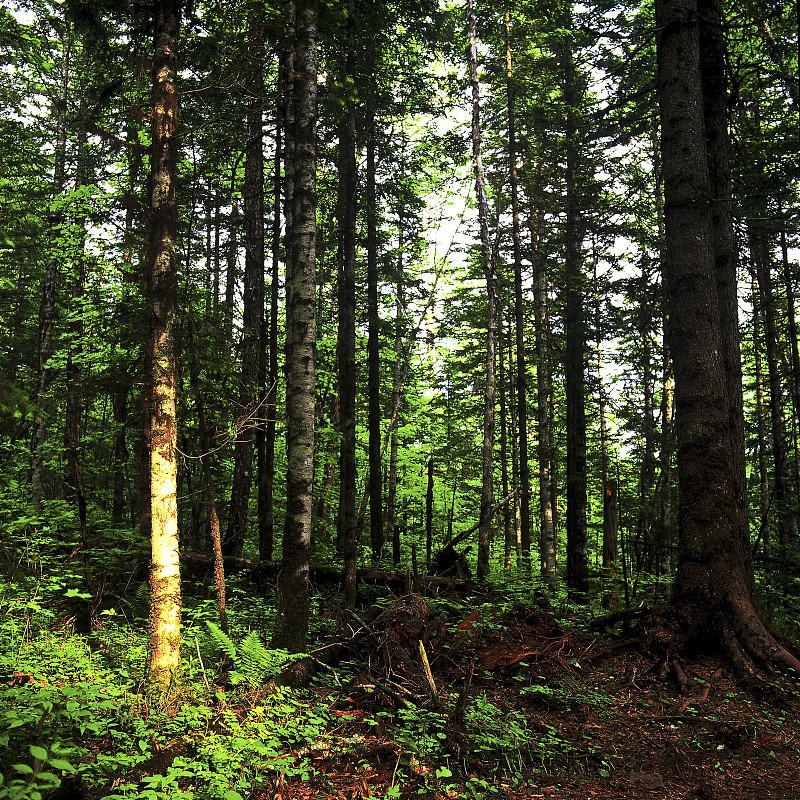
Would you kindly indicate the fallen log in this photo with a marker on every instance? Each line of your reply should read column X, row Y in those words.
column 317, row 574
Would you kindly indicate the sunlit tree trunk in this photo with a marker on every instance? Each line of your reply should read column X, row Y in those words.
column 165, row 588
column 291, row 622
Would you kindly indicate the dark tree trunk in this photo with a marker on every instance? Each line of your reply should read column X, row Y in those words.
column 487, row 449
column 713, row 591
column 519, row 312
column 548, row 554
column 266, row 528
column 291, row 623
column 373, row 348
column 249, row 392
column 48, row 304
column 509, row 537
column 764, row 530
column 73, row 478
column 429, row 515
column 784, row 501
column 119, row 403
column 346, row 339
column 574, row 323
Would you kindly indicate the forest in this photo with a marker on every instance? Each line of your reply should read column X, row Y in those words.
column 399, row 398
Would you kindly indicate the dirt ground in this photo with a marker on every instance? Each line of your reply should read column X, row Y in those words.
column 603, row 710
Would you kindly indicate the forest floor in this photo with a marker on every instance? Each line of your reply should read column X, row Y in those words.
column 519, row 701
column 554, row 710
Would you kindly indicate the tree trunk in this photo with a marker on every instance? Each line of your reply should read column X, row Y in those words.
column 784, row 502
column 392, row 528
column 548, row 554
column 574, row 323
column 373, row 346
column 346, row 339
column 509, row 538
column 266, row 528
column 165, row 588
column 519, row 310
column 764, row 538
column 487, row 449
column 291, row 623
column 429, row 515
column 48, row 304
column 713, row 591
column 249, row 392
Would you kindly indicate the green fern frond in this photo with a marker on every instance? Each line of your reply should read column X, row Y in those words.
column 222, row 640
column 252, row 662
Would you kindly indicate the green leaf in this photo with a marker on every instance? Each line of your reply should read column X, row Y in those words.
column 232, row 795
column 24, row 769
column 443, row 772
column 38, row 752
column 64, row 766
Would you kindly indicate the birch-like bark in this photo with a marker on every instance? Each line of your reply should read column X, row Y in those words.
column 165, row 588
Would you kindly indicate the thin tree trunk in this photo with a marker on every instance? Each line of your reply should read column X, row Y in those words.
column 266, row 534
column 373, row 346
column 346, row 339
column 249, row 392
column 119, row 403
column 392, row 530
column 165, row 588
column 509, row 538
column 789, row 288
column 73, row 479
column 784, row 501
column 429, row 515
column 548, row 554
column 764, row 529
column 47, row 307
column 574, row 323
column 519, row 312
column 487, row 448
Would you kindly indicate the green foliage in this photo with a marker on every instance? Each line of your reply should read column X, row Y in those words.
column 252, row 663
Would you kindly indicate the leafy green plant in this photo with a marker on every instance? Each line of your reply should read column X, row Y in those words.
column 253, row 663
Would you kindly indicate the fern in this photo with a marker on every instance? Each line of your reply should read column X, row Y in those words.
column 222, row 640
column 252, row 662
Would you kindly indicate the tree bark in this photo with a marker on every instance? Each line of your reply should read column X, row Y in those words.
column 548, row 553
column 249, row 393
column 574, row 323
column 266, row 528
column 713, row 590
column 373, row 345
column 346, row 338
column 487, row 448
column 165, row 589
column 519, row 310
column 291, row 623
